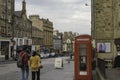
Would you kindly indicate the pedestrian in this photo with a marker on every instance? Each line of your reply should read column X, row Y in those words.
column 40, row 66
column 34, row 65
column 25, row 67
column 117, row 65
column 70, row 55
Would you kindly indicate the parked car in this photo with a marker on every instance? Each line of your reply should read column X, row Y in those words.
column 43, row 55
column 47, row 55
column 52, row 54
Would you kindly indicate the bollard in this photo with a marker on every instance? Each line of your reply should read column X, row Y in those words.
column 68, row 61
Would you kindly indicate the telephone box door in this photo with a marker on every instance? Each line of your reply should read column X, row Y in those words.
column 83, row 58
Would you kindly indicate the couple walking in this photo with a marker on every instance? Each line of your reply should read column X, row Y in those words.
column 35, row 62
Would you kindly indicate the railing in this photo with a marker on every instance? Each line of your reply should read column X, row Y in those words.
column 101, row 67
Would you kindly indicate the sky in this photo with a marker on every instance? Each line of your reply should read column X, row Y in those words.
column 66, row 15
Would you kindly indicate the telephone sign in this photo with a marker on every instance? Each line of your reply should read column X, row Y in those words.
column 83, row 58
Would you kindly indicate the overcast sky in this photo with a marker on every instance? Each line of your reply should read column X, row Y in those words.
column 66, row 15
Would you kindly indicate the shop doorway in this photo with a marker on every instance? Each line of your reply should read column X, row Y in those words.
column 5, row 49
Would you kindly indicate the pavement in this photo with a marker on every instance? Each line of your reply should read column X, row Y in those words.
column 3, row 61
column 112, row 74
column 47, row 73
column 65, row 73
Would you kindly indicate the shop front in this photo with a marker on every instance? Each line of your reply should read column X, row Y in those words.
column 5, row 49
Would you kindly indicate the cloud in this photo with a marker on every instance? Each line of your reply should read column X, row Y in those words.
column 66, row 15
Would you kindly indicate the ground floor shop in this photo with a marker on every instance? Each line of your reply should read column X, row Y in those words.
column 5, row 49
column 9, row 48
column 106, row 50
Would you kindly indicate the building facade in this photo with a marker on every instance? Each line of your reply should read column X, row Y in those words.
column 6, row 14
column 37, row 39
column 36, row 21
column 37, row 33
column 48, row 34
column 57, row 41
column 68, row 42
column 105, row 27
column 22, row 30
column 6, row 22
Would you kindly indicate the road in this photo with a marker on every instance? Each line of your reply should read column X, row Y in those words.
column 11, row 72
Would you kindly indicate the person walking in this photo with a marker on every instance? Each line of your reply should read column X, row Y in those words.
column 34, row 65
column 117, row 66
column 25, row 66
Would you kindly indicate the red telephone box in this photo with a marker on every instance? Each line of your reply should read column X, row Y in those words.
column 83, row 58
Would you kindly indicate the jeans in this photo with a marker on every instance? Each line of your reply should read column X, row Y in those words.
column 25, row 73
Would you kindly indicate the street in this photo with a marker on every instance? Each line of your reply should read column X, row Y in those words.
column 48, row 72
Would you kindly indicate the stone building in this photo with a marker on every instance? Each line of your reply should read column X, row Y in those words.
column 37, row 39
column 37, row 32
column 48, row 34
column 36, row 21
column 68, row 42
column 22, row 32
column 6, row 14
column 6, row 21
column 105, row 27
column 46, row 28
column 57, row 41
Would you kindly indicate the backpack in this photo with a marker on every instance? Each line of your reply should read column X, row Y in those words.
column 20, row 62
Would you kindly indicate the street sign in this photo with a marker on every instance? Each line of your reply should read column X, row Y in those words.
column 58, row 63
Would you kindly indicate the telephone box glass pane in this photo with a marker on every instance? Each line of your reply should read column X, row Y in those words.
column 83, row 57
